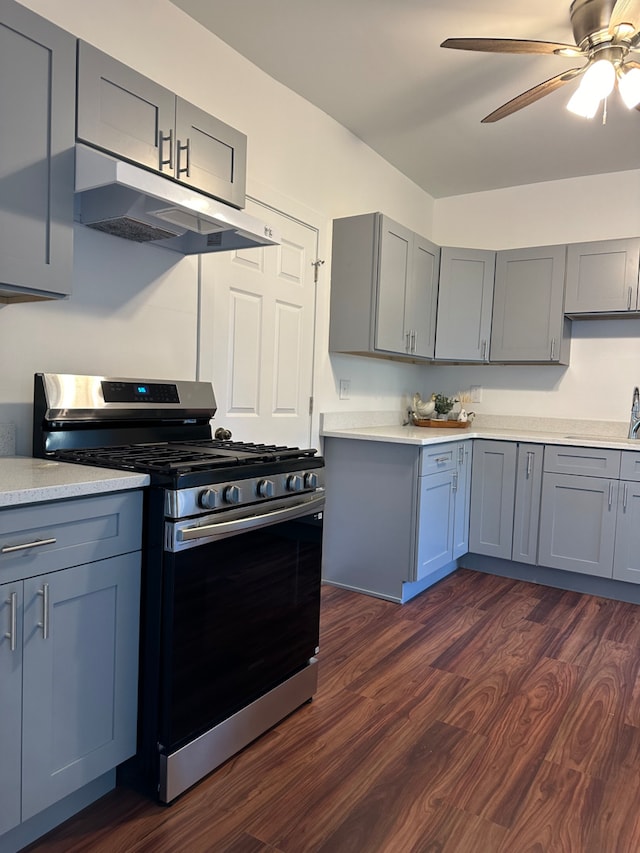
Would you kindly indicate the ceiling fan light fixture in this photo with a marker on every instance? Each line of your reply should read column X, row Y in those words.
column 629, row 87
column 599, row 79
column 582, row 103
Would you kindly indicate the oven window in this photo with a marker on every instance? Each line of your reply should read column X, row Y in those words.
column 239, row 616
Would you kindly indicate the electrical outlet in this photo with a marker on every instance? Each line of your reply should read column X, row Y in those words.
column 475, row 392
column 345, row 389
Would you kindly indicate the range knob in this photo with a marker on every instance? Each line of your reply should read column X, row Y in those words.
column 208, row 499
column 265, row 489
column 310, row 480
column 295, row 483
column 232, row 494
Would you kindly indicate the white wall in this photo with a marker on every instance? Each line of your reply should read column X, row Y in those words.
column 134, row 308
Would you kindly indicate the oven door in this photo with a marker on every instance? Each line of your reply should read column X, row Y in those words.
column 240, row 611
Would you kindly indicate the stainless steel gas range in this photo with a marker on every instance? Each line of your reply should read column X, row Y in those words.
column 231, row 565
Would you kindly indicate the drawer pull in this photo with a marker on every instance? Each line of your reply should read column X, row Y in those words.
column 529, row 463
column 454, row 484
column 610, row 494
column 625, row 496
column 440, row 459
column 44, row 592
column 10, row 549
column 12, row 601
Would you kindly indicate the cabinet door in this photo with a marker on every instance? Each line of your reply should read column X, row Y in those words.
column 11, row 705
column 493, row 482
column 37, row 101
column 602, row 276
column 527, row 504
column 465, row 300
column 626, row 561
column 528, row 306
column 578, row 523
column 422, row 297
column 210, row 155
column 435, row 523
column 80, row 676
column 462, row 499
column 124, row 112
column 396, row 243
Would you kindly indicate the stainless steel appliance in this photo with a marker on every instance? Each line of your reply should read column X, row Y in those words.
column 231, row 565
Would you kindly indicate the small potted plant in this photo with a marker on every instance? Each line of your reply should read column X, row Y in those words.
column 444, row 405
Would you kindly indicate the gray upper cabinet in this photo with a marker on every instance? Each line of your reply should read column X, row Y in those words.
column 602, row 277
column 465, row 300
column 528, row 307
column 384, row 289
column 37, row 105
column 129, row 115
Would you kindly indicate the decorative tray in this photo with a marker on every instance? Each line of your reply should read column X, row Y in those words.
column 436, row 424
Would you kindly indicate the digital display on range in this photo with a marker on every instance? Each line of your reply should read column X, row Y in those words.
column 139, row 392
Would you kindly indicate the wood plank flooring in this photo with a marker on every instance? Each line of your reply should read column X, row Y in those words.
column 486, row 716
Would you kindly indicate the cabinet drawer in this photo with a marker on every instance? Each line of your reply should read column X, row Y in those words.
column 590, row 461
column 439, row 457
column 70, row 532
column 630, row 466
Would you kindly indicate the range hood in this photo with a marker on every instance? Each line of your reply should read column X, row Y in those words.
column 130, row 202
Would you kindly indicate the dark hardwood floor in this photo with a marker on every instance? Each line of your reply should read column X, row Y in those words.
column 486, row 715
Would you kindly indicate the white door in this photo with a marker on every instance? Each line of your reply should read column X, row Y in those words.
column 257, row 334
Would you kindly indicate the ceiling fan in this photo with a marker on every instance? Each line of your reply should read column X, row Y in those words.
column 606, row 32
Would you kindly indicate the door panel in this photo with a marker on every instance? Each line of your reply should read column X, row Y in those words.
column 257, row 335
column 11, row 715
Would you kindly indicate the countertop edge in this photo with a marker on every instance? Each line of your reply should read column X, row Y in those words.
column 420, row 436
column 24, row 480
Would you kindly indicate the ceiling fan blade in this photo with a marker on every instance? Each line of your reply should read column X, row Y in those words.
column 533, row 95
column 510, row 46
column 625, row 12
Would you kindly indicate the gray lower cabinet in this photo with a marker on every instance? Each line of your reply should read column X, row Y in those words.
column 602, row 277
column 37, row 107
column 465, row 301
column 526, row 513
column 129, row 115
column 626, row 559
column 443, row 506
column 493, row 485
column 395, row 514
column 578, row 509
column 68, row 647
column 528, row 322
column 384, row 289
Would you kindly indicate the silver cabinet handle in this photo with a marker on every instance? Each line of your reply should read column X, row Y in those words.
column 529, row 463
column 11, row 634
column 44, row 592
column 610, row 494
column 454, row 484
column 440, row 459
column 483, row 351
column 186, row 170
column 37, row 543
column 461, row 454
column 629, row 295
column 415, row 341
column 553, row 349
column 407, row 346
column 168, row 161
column 625, row 494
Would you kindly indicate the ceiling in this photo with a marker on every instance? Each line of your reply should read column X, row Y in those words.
column 376, row 66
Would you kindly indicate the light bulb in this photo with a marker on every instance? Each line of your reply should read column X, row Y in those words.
column 599, row 79
column 583, row 104
column 629, row 87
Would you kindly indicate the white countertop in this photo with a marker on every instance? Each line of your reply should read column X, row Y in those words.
column 24, row 480
column 425, row 435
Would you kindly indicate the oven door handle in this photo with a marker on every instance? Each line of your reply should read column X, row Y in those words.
column 219, row 529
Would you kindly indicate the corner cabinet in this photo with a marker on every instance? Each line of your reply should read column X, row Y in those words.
column 69, row 622
column 37, row 108
column 465, row 302
column 396, row 516
column 528, row 307
column 129, row 115
column 384, row 289
column 602, row 277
